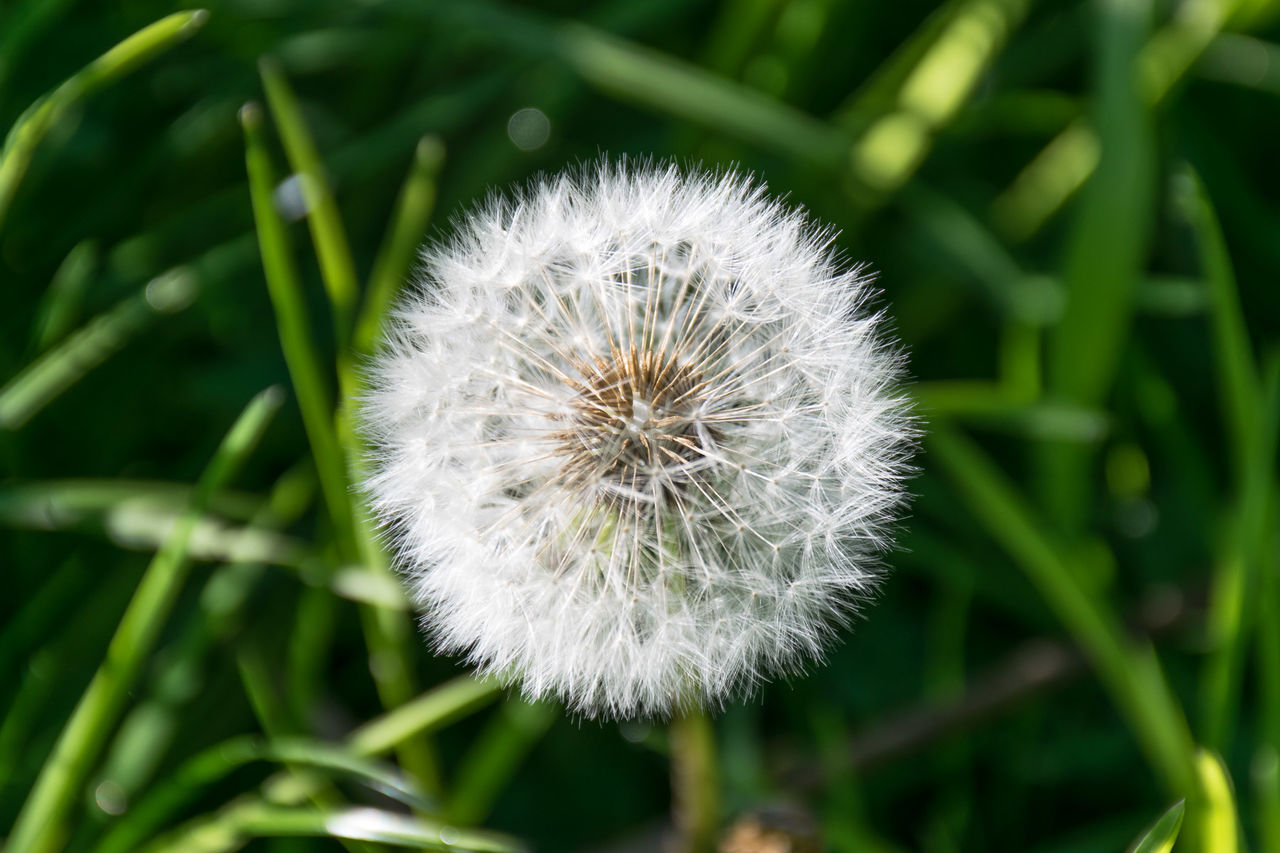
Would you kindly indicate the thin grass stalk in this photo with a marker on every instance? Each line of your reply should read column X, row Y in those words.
column 395, row 258
column 58, row 369
column 41, row 825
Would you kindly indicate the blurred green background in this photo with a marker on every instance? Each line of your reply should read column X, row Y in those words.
column 1074, row 213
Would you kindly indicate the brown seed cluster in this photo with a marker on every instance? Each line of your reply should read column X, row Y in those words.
column 631, row 420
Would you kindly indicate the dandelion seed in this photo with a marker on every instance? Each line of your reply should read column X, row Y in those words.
column 638, row 442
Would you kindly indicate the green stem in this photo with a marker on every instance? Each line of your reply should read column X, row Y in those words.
column 695, row 792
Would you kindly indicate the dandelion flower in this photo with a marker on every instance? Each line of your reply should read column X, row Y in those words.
column 637, row 439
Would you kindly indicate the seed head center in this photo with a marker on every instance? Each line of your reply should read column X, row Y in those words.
column 632, row 424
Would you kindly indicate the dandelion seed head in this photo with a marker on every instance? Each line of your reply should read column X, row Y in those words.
column 638, row 439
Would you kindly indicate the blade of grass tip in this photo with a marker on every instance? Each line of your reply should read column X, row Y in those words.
column 1233, row 355
column 657, row 81
column 301, row 357
column 490, row 763
column 1233, row 606
column 1215, row 825
column 1129, row 669
column 31, row 127
column 41, row 823
column 1105, row 256
column 52, row 373
column 332, row 250
column 432, row 710
column 1160, row 836
column 60, row 307
column 408, row 224
column 939, row 83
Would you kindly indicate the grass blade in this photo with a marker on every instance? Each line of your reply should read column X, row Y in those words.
column 294, row 326
column 332, row 249
column 1216, row 826
column 31, row 127
column 61, row 305
column 1160, row 836
column 52, row 373
column 234, row 828
column 41, row 825
column 1106, row 254
column 939, row 83
column 408, row 224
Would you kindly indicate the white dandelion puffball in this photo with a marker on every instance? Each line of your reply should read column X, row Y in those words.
column 637, row 440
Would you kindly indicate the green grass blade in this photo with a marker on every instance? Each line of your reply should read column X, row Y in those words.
column 388, row 633
column 26, row 135
column 61, row 305
column 1129, row 670
column 1063, row 166
column 52, row 373
column 332, row 249
column 940, row 82
column 1246, row 553
column 395, row 258
column 1106, row 254
column 1161, row 835
column 1216, row 825
column 236, row 827
column 430, row 711
column 41, row 826
column 212, row 765
column 1234, row 361
column 305, row 366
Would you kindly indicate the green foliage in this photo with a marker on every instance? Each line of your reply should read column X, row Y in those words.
column 1072, row 213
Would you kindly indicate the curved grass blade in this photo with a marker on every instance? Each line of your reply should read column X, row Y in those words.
column 216, row 763
column 332, row 249
column 235, row 828
column 409, row 223
column 294, row 325
column 1160, row 836
column 1217, row 827
column 41, row 824
column 60, row 308
column 31, row 127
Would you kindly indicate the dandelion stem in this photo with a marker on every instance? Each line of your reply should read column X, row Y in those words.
column 695, row 794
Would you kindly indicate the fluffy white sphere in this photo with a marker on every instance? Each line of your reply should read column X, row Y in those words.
column 637, row 440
